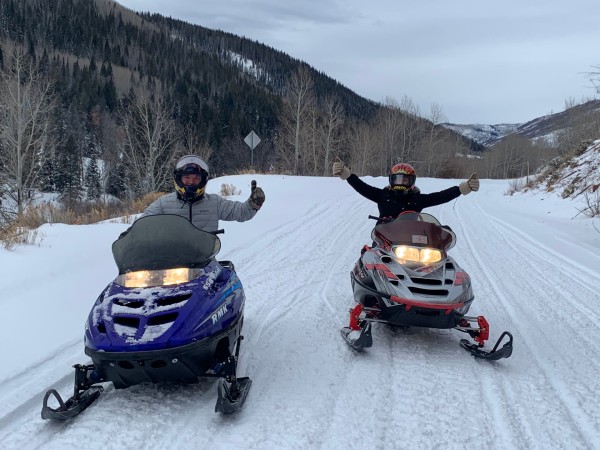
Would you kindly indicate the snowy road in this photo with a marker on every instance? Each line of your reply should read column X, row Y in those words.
column 535, row 273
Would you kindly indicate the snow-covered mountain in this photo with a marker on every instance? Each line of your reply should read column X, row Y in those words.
column 545, row 127
column 486, row 135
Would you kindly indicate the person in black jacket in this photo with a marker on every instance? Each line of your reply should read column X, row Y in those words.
column 402, row 194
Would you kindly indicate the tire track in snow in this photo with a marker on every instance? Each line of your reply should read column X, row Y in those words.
column 295, row 305
column 533, row 248
column 25, row 390
column 336, row 295
column 498, row 393
column 299, row 275
column 494, row 395
column 578, row 418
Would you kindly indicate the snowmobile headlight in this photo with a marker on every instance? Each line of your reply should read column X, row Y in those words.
column 146, row 278
column 416, row 254
column 407, row 253
column 430, row 255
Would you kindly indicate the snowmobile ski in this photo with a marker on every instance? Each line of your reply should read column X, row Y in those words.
column 231, row 396
column 493, row 355
column 358, row 339
column 84, row 395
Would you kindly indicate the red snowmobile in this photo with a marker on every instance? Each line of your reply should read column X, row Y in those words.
column 407, row 279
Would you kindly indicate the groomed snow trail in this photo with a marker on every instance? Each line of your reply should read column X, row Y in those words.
column 413, row 389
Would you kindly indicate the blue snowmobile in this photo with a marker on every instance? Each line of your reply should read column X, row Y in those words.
column 173, row 314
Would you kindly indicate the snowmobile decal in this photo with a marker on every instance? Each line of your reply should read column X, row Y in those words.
column 419, row 239
column 220, row 313
column 210, row 280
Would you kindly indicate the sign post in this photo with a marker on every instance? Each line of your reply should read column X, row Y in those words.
column 252, row 140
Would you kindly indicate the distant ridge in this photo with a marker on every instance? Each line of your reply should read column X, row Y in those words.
column 544, row 127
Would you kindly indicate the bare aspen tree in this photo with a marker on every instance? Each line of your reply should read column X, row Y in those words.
column 361, row 141
column 333, row 120
column 508, row 157
column 26, row 101
column 311, row 151
column 390, row 125
column 594, row 78
column 435, row 153
column 193, row 145
column 400, row 131
column 296, row 108
column 410, row 131
column 150, row 141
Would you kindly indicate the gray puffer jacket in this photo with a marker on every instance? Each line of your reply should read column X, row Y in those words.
column 204, row 213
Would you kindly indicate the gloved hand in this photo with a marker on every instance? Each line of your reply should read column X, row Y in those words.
column 472, row 184
column 340, row 170
column 257, row 196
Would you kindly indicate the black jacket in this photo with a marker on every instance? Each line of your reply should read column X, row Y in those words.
column 391, row 203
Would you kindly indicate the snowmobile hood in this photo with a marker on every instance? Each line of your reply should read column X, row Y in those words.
column 157, row 317
column 162, row 242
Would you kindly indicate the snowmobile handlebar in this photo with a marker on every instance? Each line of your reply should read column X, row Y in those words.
column 387, row 219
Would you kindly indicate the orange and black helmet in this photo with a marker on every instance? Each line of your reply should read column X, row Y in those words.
column 402, row 177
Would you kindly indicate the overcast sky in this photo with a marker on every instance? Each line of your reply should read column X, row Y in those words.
column 481, row 62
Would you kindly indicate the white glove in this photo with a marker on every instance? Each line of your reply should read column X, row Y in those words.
column 472, row 184
column 340, row 170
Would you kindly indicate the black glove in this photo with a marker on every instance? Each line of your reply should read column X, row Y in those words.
column 257, row 196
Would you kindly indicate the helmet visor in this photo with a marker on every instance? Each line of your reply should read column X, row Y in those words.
column 191, row 169
column 188, row 162
column 401, row 179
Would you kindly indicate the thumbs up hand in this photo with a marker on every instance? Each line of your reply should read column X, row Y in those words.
column 472, row 184
column 257, row 196
column 340, row 170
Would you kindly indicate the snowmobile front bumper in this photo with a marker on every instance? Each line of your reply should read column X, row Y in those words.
column 411, row 313
column 183, row 364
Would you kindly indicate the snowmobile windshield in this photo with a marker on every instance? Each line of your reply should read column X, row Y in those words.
column 163, row 242
column 415, row 229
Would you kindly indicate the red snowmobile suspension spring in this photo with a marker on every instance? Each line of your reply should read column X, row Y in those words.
column 484, row 331
column 354, row 317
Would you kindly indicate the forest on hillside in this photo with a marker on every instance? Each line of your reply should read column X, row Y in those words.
column 96, row 99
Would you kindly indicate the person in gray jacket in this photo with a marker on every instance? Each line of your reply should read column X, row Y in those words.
column 191, row 200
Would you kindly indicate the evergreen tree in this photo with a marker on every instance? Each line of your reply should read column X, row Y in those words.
column 47, row 177
column 92, row 180
column 106, row 69
column 116, row 185
column 110, row 95
column 68, row 180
